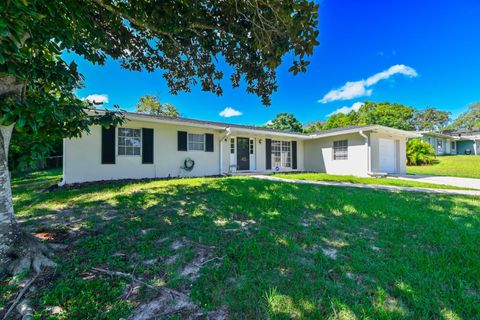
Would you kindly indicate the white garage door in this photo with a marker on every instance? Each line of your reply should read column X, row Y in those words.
column 387, row 155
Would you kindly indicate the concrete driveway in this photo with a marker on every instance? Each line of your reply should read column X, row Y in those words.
column 451, row 181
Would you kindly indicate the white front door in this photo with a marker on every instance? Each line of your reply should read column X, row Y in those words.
column 387, row 155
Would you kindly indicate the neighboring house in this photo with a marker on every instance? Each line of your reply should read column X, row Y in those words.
column 442, row 144
column 149, row 146
column 453, row 143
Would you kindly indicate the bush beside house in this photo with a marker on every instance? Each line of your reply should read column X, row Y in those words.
column 419, row 152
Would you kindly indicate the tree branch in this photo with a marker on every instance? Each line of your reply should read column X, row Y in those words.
column 134, row 20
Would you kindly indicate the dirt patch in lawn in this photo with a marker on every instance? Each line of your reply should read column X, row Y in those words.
column 169, row 302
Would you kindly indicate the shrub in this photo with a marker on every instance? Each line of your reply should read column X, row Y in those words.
column 419, row 152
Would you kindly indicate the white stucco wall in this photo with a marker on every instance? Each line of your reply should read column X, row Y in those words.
column 83, row 156
column 319, row 155
column 82, row 160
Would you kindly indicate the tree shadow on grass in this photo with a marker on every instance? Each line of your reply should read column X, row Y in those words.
column 289, row 250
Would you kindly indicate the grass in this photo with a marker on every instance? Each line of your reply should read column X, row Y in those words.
column 287, row 250
column 360, row 180
column 455, row 166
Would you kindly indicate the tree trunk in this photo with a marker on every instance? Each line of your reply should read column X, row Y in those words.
column 8, row 224
column 19, row 251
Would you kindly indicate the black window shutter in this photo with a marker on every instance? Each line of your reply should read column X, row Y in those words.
column 108, row 145
column 294, row 154
column 182, row 140
column 147, row 145
column 268, row 154
column 209, row 142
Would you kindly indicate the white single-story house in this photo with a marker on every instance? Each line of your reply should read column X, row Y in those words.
column 452, row 143
column 151, row 146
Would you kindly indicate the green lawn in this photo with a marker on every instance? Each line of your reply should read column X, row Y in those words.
column 358, row 180
column 456, row 166
column 261, row 249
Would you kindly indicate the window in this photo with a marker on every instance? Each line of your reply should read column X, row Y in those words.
column 232, row 145
column 196, row 142
column 439, row 144
column 129, row 142
column 452, row 145
column 281, row 155
column 252, row 146
column 340, row 150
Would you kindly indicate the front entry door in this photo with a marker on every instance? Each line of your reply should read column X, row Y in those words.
column 243, row 155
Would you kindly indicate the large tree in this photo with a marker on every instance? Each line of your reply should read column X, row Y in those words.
column 388, row 114
column 338, row 120
column 431, row 119
column 286, row 122
column 315, row 126
column 469, row 119
column 394, row 115
column 185, row 39
column 151, row 104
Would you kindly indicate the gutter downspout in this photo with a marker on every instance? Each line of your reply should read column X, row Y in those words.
column 228, row 132
column 369, row 165
column 62, row 183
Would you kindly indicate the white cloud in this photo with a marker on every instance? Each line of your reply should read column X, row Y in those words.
column 346, row 110
column 361, row 88
column 269, row 123
column 97, row 98
column 229, row 112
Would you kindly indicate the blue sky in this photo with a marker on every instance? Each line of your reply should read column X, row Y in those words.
column 419, row 53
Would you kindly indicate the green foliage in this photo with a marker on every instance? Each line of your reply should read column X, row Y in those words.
column 286, row 122
column 313, row 127
column 469, row 119
column 431, row 119
column 339, row 120
column 151, row 104
column 419, row 152
column 29, row 150
column 184, row 38
column 387, row 114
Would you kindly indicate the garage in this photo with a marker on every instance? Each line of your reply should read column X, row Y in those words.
column 387, row 155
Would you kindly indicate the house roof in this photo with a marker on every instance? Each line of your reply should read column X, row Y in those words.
column 374, row 128
column 452, row 136
column 436, row 134
column 266, row 131
column 210, row 124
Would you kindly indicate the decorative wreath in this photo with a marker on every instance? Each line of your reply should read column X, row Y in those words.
column 188, row 164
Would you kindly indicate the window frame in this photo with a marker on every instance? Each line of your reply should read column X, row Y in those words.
column 232, row 145
column 281, row 153
column 196, row 142
column 251, row 147
column 440, row 144
column 453, row 145
column 118, row 146
column 340, row 148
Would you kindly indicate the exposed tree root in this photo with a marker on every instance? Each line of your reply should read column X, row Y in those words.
column 20, row 295
column 28, row 253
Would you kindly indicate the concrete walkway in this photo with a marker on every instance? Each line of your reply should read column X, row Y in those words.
column 450, row 181
column 370, row 186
